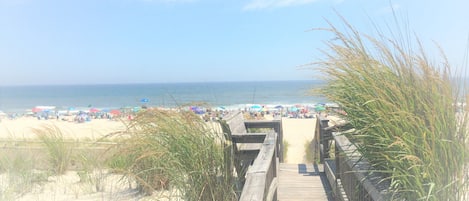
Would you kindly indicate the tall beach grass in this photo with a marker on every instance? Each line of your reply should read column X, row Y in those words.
column 176, row 152
column 58, row 150
column 404, row 109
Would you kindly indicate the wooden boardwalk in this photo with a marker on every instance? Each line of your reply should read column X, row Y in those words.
column 299, row 182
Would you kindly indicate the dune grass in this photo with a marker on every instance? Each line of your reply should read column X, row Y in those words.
column 17, row 175
column 286, row 145
column 402, row 106
column 175, row 151
column 58, row 150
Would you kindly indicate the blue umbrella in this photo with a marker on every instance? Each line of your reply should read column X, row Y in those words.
column 293, row 109
column 278, row 107
column 144, row 100
column 256, row 107
column 197, row 110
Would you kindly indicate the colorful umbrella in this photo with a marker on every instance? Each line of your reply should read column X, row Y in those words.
column 256, row 107
column 278, row 107
column 319, row 108
column 115, row 112
column 35, row 109
column 94, row 110
column 197, row 110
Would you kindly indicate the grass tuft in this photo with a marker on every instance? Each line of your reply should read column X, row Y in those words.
column 58, row 150
column 403, row 107
column 177, row 152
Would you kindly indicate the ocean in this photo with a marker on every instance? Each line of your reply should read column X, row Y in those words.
column 18, row 99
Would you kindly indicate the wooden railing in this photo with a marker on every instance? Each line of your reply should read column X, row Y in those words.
column 261, row 178
column 350, row 175
column 255, row 155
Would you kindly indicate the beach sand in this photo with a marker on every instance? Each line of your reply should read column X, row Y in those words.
column 22, row 128
column 297, row 132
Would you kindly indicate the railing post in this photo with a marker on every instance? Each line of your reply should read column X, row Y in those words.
column 324, row 139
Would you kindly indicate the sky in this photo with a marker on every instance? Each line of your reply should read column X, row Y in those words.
column 54, row 42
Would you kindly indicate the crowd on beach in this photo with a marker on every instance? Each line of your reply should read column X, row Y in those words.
column 207, row 113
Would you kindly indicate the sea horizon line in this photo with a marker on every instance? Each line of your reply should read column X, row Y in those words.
column 150, row 83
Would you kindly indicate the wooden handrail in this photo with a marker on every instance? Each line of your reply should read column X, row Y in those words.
column 356, row 174
column 261, row 181
column 261, row 176
column 349, row 174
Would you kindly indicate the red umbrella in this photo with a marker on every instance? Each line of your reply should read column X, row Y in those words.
column 35, row 109
column 115, row 112
column 94, row 110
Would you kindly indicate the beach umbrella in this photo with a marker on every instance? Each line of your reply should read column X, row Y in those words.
column 221, row 108
column 94, row 110
column 256, row 108
column 144, row 100
column 36, row 109
column 319, row 108
column 136, row 109
column 294, row 109
column 197, row 110
column 115, row 112
column 279, row 107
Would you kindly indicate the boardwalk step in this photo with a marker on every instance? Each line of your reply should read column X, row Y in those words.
column 302, row 182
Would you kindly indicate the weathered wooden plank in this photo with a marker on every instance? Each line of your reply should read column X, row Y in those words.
column 265, row 156
column 248, row 137
column 301, row 182
column 261, row 174
column 261, row 181
column 246, row 155
column 272, row 192
column 254, row 187
column 274, row 124
column 236, row 123
column 355, row 172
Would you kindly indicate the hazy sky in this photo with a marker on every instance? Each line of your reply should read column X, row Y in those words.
column 141, row 41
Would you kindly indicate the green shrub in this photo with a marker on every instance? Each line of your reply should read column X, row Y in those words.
column 402, row 106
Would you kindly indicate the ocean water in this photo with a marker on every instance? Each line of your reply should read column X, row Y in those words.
column 226, row 94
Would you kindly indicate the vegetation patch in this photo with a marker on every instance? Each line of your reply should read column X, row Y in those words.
column 404, row 108
column 175, row 151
